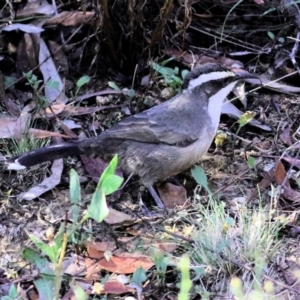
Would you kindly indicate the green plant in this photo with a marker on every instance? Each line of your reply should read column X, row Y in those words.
column 26, row 143
column 49, row 283
column 79, row 84
column 228, row 245
column 171, row 76
column 128, row 93
column 161, row 262
column 32, row 80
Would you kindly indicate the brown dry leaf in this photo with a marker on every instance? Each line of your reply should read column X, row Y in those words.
column 77, row 267
column 126, row 263
column 22, row 125
column 33, row 8
column 101, row 246
column 116, row 217
column 121, row 263
column 72, row 18
column 53, row 110
column 281, row 179
column 27, row 53
column 113, row 286
column 269, row 177
column 38, row 133
column 280, row 174
column 285, row 136
column 94, row 166
column 172, row 195
column 7, row 126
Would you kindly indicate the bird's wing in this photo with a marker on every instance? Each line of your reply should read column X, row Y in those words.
column 174, row 122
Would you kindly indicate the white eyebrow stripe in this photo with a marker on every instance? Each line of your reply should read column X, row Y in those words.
column 207, row 77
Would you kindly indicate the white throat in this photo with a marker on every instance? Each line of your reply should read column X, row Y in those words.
column 215, row 104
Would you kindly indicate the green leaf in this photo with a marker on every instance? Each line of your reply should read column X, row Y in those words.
column 9, row 81
column 129, row 93
column 271, row 35
column 12, row 294
column 82, row 81
column 46, row 287
column 166, row 61
column 52, row 250
column 251, row 162
column 114, row 86
column 111, row 183
column 200, row 176
column 53, row 84
column 160, row 261
column 98, row 209
column 184, row 73
column 139, row 276
column 75, row 194
column 164, row 71
column 246, row 118
column 109, row 170
column 41, row 263
column 79, row 292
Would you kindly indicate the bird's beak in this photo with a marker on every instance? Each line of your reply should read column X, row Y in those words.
column 243, row 74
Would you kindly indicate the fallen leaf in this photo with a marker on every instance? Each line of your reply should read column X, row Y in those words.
column 280, row 175
column 118, row 218
column 121, row 263
column 285, row 136
column 47, row 184
column 72, row 18
column 172, row 195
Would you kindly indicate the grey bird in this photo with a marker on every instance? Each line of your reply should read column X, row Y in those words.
column 162, row 141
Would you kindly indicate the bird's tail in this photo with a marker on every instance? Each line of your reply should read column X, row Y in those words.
column 41, row 155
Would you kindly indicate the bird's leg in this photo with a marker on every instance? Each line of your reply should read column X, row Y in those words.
column 156, row 197
column 126, row 181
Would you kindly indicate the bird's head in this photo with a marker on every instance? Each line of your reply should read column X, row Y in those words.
column 213, row 73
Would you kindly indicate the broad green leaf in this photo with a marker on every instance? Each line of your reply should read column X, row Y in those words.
column 82, row 81
column 79, row 292
column 98, row 209
column 75, row 194
column 41, row 263
column 251, row 162
column 271, row 35
column 114, row 86
column 130, row 93
column 12, row 294
column 200, row 176
column 52, row 250
column 109, row 170
column 184, row 73
column 139, row 276
column 9, row 81
column 111, row 183
column 53, row 84
column 46, row 287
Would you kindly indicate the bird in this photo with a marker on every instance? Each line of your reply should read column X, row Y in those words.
column 163, row 140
